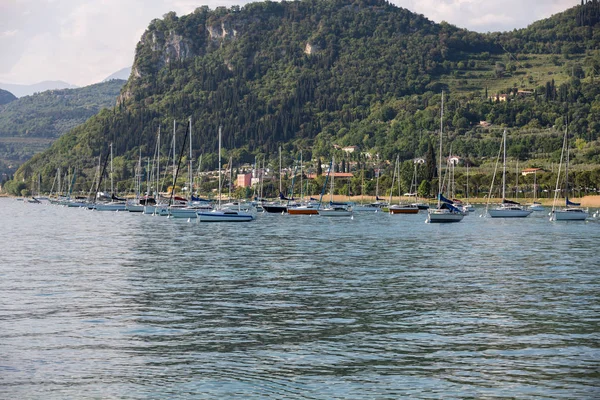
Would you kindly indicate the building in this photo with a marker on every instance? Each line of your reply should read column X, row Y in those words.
column 244, row 180
column 350, row 149
column 529, row 171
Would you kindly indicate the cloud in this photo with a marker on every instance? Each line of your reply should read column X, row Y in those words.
column 486, row 15
column 82, row 42
column 7, row 34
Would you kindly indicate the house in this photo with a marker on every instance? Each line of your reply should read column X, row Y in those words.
column 524, row 93
column 336, row 175
column 350, row 149
column 244, row 180
column 529, row 171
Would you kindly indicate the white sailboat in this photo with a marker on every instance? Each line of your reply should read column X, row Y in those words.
column 535, row 206
column 445, row 212
column 377, row 205
column 572, row 211
column 400, row 208
column 507, row 209
column 191, row 209
column 334, row 209
column 223, row 215
column 115, row 204
column 468, row 206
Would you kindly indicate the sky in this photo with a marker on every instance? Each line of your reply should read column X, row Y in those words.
column 84, row 41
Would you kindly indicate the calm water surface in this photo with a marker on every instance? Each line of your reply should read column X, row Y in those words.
column 115, row 305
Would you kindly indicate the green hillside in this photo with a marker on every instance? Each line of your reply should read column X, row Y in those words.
column 6, row 97
column 310, row 74
column 28, row 125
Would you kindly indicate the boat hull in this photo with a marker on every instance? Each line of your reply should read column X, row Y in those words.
column 335, row 213
column 275, row 208
column 436, row 216
column 404, row 210
column 569, row 215
column 111, row 207
column 135, row 208
column 509, row 213
column 224, row 216
column 303, row 211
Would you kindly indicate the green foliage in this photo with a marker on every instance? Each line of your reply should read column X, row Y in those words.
column 52, row 113
column 6, row 97
column 310, row 74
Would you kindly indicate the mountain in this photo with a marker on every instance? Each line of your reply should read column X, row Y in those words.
column 120, row 74
column 30, row 124
column 27, row 90
column 311, row 74
column 6, row 97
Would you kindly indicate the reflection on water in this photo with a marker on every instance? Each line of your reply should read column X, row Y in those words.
column 119, row 305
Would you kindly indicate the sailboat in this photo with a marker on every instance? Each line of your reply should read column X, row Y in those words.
column 333, row 209
column 219, row 214
column 134, row 205
column 572, row 211
column 508, row 208
column 116, row 204
column 374, row 206
column 468, row 206
column 304, row 207
column 414, row 187
column 273, row 206
column 400, row 208
column 535, row 206
column 445, row 211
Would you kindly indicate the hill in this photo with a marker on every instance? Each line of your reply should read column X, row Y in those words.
column 6, row 97
column 30, row 124
column 310, row 74
column 27, row 90
column 120, row 74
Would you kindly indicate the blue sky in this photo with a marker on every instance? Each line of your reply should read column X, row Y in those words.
column 84, row 41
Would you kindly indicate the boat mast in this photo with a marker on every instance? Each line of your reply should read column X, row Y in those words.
column 440, row 155
column 467, row 183
column 280, row 191
column 229, row 184
column 174, row 127
column 377, row 181
column 534, row 186
column 191, row 171
column 301, row 191
column 157, row 166
column 567, row 164
column 112, row 182
column 504, row 168
column 332, row 176
column 219, row 166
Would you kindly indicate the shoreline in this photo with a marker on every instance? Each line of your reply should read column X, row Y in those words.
column 586, row 201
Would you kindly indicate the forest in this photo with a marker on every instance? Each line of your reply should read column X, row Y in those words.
column 316, row 76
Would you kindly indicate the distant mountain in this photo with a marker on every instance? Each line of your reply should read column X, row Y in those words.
column 120, row 74
column 6, row 97
column 30, row 124
column 26, row 90
column 51, row 113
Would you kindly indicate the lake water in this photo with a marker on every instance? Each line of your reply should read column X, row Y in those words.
column 116, row 305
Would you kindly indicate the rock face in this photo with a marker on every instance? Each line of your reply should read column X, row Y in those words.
column 169, row 47
column 222, row 32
